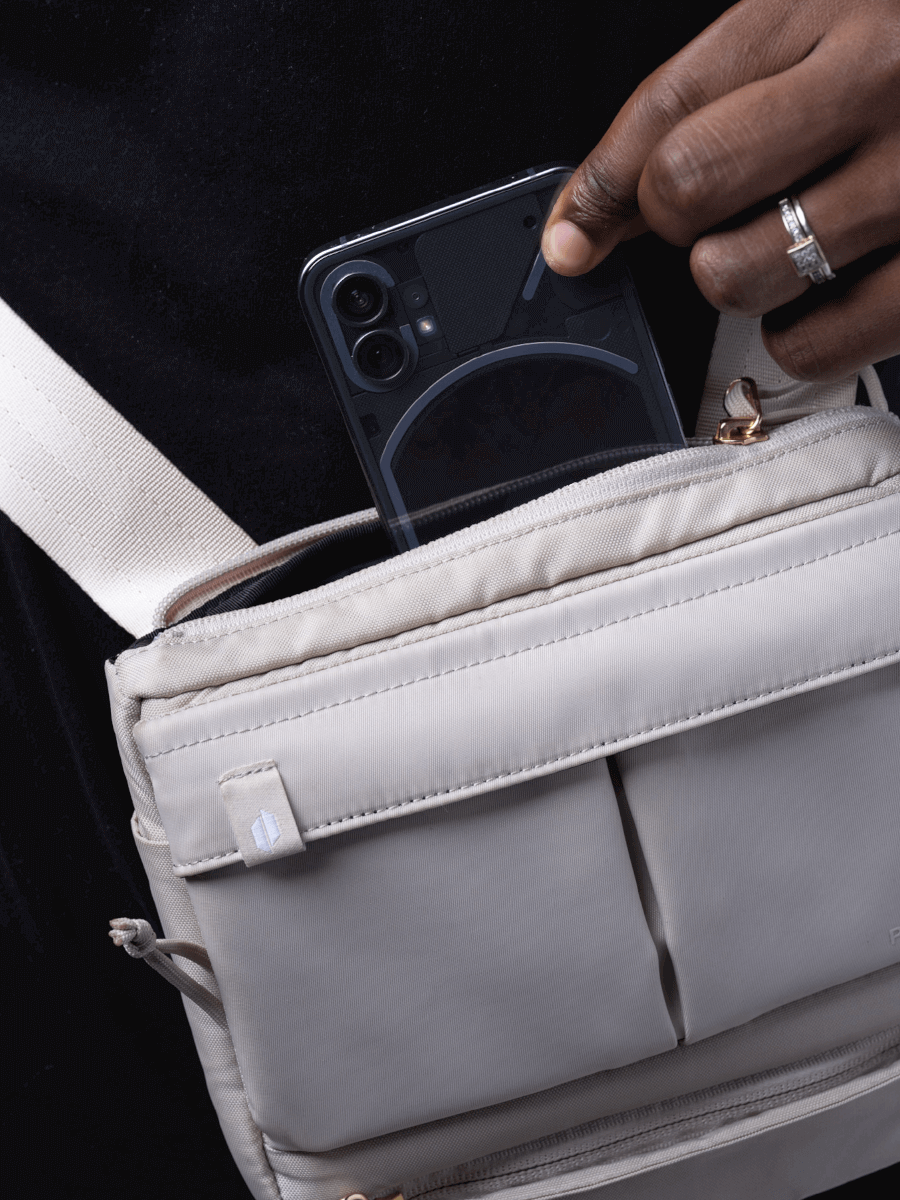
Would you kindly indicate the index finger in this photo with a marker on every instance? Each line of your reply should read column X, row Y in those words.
column 751, row 41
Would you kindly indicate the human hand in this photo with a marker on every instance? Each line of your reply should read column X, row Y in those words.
column 775, row 98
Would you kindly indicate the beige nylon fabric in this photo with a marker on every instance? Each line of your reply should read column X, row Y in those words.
column 648, row 509
column 95, row 495
column 214, row 1045
column 800, row 1030
column 739, row 351
column 787, row 1152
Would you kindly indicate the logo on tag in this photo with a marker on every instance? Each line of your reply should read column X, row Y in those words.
column 259, row 813
column 265, row 831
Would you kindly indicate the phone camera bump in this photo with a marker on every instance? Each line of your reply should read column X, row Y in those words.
column 360, row 300
column 381, row 355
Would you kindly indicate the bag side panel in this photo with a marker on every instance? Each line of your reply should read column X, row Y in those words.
column 179, row 922
column 214, row 1045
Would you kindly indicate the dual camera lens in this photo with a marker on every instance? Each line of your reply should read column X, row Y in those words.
column 381, row 354
column 360, row 300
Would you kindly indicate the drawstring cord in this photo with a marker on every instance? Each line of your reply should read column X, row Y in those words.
column 139, row 940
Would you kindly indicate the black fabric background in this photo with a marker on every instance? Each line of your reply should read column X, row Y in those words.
column 164, row 169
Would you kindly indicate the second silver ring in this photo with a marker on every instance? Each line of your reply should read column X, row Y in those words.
column 805, row 253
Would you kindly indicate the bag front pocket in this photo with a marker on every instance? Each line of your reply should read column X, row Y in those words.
column 772, row 840
column 436, row 963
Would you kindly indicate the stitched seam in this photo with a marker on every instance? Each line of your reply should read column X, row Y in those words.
column 461, row 555
column 544, row 597
column 195, row 862
column 522, row 650
column 243, row 774
column 373, row 812
column 112, row 566
column 610, row 742
column 116, row 467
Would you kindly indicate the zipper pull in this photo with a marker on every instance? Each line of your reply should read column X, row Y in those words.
column 743, row 430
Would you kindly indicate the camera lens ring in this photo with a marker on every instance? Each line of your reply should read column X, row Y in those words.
column 381, row 355
column 360, row 299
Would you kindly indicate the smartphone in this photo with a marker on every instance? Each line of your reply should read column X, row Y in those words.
column 471, row 377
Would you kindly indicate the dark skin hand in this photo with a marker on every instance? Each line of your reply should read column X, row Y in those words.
column 775, row 98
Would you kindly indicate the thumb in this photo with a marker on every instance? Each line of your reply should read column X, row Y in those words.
column 586, row 223
column 598, row 207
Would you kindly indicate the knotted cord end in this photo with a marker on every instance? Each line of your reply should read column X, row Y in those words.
column 135, row 934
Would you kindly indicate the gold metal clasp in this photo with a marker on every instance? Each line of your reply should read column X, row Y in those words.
column 743, row 430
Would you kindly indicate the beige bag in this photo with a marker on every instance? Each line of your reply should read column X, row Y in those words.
column 554, row 857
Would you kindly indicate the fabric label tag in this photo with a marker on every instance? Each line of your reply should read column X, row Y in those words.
column 260, row 813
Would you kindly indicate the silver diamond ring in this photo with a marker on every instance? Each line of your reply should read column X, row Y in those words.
column 806, row 253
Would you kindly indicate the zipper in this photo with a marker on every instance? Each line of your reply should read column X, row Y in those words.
column 670, row 1122
column 677, row 467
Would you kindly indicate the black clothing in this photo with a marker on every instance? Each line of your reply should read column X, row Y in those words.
column 165, row 166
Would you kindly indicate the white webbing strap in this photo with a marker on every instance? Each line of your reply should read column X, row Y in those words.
column 739, row 351
column 104, row 503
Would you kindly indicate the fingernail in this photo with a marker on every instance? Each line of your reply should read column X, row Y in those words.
column 567, row 248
